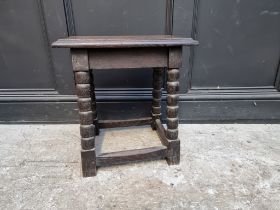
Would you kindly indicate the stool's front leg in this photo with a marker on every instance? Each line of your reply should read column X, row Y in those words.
column 172, row 120
column 157, row 86
column 84, row 90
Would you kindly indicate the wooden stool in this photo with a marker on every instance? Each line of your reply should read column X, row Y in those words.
column 110, row 52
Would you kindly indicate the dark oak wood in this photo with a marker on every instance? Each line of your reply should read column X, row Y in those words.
column 80, row 59
column 172, row 134
column 172, row 87
column 93, row 104
column 88, row 159
column 128, row 58
column 83, row 90
column 156, row 52
column 173, row 152
column 88, row 143
column 157, row 91
column 173, row 74
column 172, row 111
column 82, row 78
column 85, row 104
column 86, row 118
column 172, row 104
column 172, row 99
column 122, row 157
column 124, row 123
column 175, row 57
column 87, row 131
column 172, row 121
column 85, row 93
column 123, row 41
column 161, row 133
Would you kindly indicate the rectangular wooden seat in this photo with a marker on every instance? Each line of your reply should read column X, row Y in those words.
column 124, row 41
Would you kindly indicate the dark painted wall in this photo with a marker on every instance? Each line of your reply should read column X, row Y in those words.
column 232, row 76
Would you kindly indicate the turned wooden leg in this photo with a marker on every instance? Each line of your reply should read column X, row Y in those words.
column 172, row 116
column 87, row 114
column 156, row 104
column 93, row 103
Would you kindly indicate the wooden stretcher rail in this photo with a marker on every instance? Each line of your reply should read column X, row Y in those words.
column 128, row 156
column 161, row 133
column 124, row 123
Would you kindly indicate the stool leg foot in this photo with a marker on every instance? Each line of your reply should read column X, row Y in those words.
column 88, row 163
column 156, row 103
column 173, row 153
column 172, row 121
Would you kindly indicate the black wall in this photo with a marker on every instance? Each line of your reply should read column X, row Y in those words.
column 233, row 75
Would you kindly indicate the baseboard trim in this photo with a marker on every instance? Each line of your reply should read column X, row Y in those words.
column 196, row 111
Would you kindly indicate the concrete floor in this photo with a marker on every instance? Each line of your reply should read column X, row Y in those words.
column 222, row 167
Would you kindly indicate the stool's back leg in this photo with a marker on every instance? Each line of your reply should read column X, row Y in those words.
column 157, row 87
column 93, row 103
column 83, row 82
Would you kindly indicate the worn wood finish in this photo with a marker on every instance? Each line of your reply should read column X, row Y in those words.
column 123, row 41
column 161, row 133
column 88, row 143
column 88, row 159
column 156, row 52
column 175, row 57
column 83, row 81
column 86, row 118
column 172, row 111
column 93, row 104
column 173, row 152
column 172, row 104
column 83, row 90
column 172, row 121
column 124, row 123
column 80, row 60
column 85, row 104
column 128, row 58
column 87, row 131
column 172, row 134
column 115, row 158
column 173, row 146
column 157, row 90
column 172, row 100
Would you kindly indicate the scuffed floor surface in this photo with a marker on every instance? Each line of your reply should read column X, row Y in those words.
column 222, row 167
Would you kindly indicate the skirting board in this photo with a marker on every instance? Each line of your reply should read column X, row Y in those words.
column 215, row 111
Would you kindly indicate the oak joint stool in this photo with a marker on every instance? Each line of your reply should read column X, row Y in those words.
column 116, row 52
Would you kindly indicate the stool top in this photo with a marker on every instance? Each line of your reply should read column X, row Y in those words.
column 123, row 41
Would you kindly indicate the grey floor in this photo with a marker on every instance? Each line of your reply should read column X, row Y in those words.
column 222, row 167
